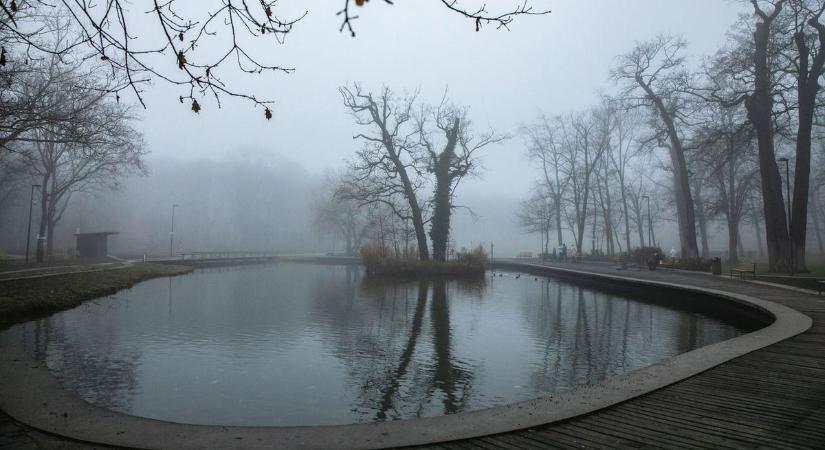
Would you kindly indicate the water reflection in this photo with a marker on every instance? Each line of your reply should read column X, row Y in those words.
column 297, row 344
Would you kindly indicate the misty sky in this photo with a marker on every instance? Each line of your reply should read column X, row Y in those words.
column 555, row 63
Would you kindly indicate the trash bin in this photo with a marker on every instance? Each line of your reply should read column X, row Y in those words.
column 716, row 266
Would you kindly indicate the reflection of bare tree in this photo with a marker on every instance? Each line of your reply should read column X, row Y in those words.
column 448, row 376
column 584, row 336
column 399, row 376
column 394, row 381
column 94, row 368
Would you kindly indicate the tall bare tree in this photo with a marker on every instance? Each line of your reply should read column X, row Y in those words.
column 536, row 215
column 585, row 145
column 623, row 150
column 545, row 147
column 449, row 162
column 652, row 76
column 808, row 60
column 728, row 154
column 334, row 212
column 389, row 164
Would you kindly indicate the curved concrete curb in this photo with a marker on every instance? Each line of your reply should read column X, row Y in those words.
column 30, row 394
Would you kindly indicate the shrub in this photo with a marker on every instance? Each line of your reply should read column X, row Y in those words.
column 694, row 264
column 476, row 257
column 642, row 254
column 379, row 259
column 373, row 254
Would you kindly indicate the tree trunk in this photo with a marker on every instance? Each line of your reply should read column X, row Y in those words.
column 40, row 253
column 758, row 231
column 412, row 200
column 440, row 225
column 593, row 235
column 640, row 220
column 702, row 220
column 626, row 215
column 547, row 240
column 808, row 76
column 442, row 208
column 739, row 245
column 681, row 185
column 817, row 227
column 759, row 106
column 557, row 207
column 581, row 220
column 50, row 233
column 608, row 217
column 733, row 242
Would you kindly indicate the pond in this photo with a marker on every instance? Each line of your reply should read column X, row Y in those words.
column 303, row 344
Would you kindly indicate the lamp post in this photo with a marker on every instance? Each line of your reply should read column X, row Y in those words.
column 29, row 229
column 650, row 242
column 785, row 160
column 172, row 233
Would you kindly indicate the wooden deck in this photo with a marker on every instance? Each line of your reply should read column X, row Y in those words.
column 771, row 398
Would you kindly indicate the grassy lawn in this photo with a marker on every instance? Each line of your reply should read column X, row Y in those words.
column 24, row 299
column 816, row 266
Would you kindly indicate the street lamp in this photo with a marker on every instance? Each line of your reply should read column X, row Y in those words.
column 172, row 233
column 649, row 223
column 29, row 229
column 788, row 190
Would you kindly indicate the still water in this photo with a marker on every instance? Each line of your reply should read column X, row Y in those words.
column 302, row 344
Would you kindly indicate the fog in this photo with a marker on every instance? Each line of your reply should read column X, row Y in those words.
column 245, row 183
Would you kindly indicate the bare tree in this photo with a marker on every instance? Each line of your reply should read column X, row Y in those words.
column 192, row 46
column 63, row 169
column 808, row 62
column 449, row 162
column 536, row 215
column 651, row 76
column 334, row 212
column 728, row 154
column 388, row 165
column 585, row 145
column 623, row 150
column 28, row 90
column 544, row 146
column 752, row 75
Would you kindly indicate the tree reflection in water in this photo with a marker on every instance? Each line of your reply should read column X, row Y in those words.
column 398, row 384
column 302, row 344
column 52, row 340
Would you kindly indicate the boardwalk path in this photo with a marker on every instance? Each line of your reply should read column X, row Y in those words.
column 771, row 398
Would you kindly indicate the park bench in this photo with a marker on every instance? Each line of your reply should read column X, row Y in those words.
column 821, row 286
column 742, row 269
column 525, row 255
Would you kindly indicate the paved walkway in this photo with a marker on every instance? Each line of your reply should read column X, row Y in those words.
column 48, row 270
column 771, row 398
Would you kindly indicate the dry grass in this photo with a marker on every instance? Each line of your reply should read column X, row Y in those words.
column 381, row 260
column 34, row 297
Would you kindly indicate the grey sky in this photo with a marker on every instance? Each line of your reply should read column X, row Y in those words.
column 555, row 63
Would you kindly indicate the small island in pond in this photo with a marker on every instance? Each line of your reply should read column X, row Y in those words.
column 381, row 260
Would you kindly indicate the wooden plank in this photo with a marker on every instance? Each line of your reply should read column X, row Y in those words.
column 589, row 426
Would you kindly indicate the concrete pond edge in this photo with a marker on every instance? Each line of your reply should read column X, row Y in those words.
column 31, row 395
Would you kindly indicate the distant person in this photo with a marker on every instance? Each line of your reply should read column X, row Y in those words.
column 563, row 251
